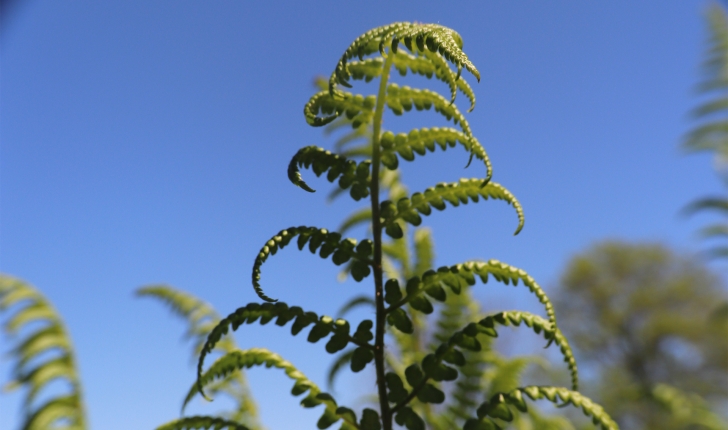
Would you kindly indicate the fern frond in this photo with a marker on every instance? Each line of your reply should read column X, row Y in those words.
column 366, row 44
column 436, row 38
column 456, row 277
column 199, row 422
column 419, row 141
column 237, row 360
column 56, row 410
column 322, row 327
column 538, row 325
column 410, row 208
column 350, row 174
column 342, row 360
column 403, row 98
column 715, row 230
column 359, row 109
column 424, row 250
column 47, row 347
column 198, row 314
column 201, row 318
column 331, row 244
column 508, row 375
column 719, row 204
column 687, row 408
column 361, row 216
column 445, row 74
column 355, row 302
column 467, row 339
column 498, row 406
column 426, row 64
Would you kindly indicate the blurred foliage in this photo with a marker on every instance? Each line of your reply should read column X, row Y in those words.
column 640, row 316
column 45, row 364
column 711, row 132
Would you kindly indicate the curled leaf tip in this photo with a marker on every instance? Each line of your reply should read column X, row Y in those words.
column 470, row 160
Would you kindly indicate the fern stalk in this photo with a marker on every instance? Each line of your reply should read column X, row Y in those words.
column 377, row 231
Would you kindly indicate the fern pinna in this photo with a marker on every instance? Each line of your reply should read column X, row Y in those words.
column 430, row 50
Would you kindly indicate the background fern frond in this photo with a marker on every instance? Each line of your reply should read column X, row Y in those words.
column 201, row 318
column 43, row 355
column 199, row 422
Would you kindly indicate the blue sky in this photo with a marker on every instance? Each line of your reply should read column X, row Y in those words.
column 147, row 142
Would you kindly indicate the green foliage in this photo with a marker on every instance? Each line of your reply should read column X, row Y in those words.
column 437, row 383
column 641, row 316
column 43, row 355
column 688, row 409
column 711, row 132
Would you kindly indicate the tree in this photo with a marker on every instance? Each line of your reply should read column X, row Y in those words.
column 640, row 316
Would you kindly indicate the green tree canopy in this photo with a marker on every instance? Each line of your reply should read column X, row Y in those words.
column 641, row 315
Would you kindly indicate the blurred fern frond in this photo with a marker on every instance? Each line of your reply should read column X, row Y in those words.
column 43, row 356
column 201, row 318
column 711, row 132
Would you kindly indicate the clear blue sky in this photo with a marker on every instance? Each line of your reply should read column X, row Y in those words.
column 147, row 142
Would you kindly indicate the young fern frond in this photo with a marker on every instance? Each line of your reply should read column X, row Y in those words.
column 43, row 355
column 408, row 384
column 433, row 37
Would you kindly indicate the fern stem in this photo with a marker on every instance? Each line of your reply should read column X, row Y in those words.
column 377, row 232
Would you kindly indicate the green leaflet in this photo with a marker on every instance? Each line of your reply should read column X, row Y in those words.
column 433, row 37
column 425, row 63
column 236, row 360
column 538, row 325
column 43, row 355
column 434, row 367
column 420, row 141
column 357, row 108
column 330, row 244
column 350, row 174
column 459, row 275
column 202, row 422
column 283, row 314
column 498, row 405
column 400, row 99
column 410, row 208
